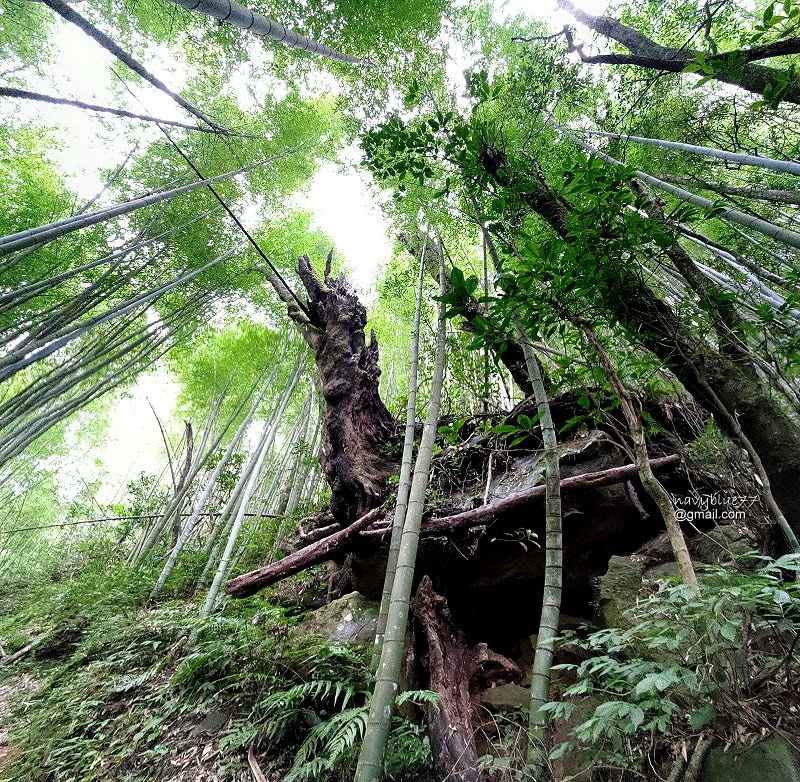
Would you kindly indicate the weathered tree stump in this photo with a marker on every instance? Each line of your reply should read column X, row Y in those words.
column 452, row 668
column 356, row 424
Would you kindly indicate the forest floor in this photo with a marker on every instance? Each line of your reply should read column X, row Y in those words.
column 9, row 691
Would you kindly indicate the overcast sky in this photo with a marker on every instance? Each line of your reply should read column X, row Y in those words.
column 341, row 202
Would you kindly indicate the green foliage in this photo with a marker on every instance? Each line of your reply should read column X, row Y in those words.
column 331, row 744
column 23, row 34
column 686, row 663
column 121, row 685
column 779, row 19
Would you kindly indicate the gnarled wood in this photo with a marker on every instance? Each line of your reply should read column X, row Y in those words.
column 452, row 666
column 341, row 542
column 356, row 425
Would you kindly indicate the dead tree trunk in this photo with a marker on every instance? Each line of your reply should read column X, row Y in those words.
column 356, row 425
column 452, row 668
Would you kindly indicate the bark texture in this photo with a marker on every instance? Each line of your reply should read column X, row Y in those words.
column 356, row 424
column 249, row 583
column 452, row 667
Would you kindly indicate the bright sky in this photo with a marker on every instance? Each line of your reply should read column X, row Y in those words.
column 340, row 199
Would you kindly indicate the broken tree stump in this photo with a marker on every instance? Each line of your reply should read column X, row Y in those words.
column 356, row 424
column 452, row 668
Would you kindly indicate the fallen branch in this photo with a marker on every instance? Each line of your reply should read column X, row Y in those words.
column 7, row 662
column 250, row 583
column 488, row 513
column 255, row 769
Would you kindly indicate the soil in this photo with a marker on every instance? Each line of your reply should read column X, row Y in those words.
column 9, row 691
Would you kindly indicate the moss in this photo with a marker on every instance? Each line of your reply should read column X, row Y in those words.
column 772, row 760
column 618, row 591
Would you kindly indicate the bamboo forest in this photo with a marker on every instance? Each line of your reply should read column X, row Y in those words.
column 401, row 391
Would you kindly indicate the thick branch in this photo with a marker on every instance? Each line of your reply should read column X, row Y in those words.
column 734, row 66
column 252, row 582
column 485, row 514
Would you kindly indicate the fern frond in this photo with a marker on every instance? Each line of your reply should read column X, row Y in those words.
column 418, row 697
column 328, row 742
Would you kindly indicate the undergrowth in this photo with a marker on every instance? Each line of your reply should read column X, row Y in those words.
column 719, row 668
column 126, row 689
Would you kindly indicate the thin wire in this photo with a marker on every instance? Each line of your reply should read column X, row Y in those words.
column 119, row 518
column 230, row 212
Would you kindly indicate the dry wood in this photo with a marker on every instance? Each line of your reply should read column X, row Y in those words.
column 449, row 666
column 249, row 583
column 7, row 662
column 258, row 774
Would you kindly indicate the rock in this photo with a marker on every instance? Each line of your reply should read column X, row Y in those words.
column 669, row 570
column 213, row 722
column 492, row 576
column 723, row 543
column 506, row 696
column 350, row 619
column 617, row 591
column 773, row 760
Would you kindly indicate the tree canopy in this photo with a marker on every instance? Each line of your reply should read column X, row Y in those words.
column 598, row 204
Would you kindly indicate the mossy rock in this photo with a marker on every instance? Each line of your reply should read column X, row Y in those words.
column 772, row 760
column 617, row 591
column 350, row 619
column 724, row 543
column 506, row 696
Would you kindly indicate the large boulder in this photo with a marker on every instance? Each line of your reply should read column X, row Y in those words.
column 506, row 696
column 350, row 619
column 618, row 591
column 772, row 760
column 723, row 543
column 492, row 577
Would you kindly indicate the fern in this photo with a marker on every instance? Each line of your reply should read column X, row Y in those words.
column 331, row 743
column 313, row 690
column 328, row 744
column 418, row 697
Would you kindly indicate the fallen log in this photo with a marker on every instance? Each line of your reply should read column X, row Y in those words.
column 250, row 583
column 485, row 514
